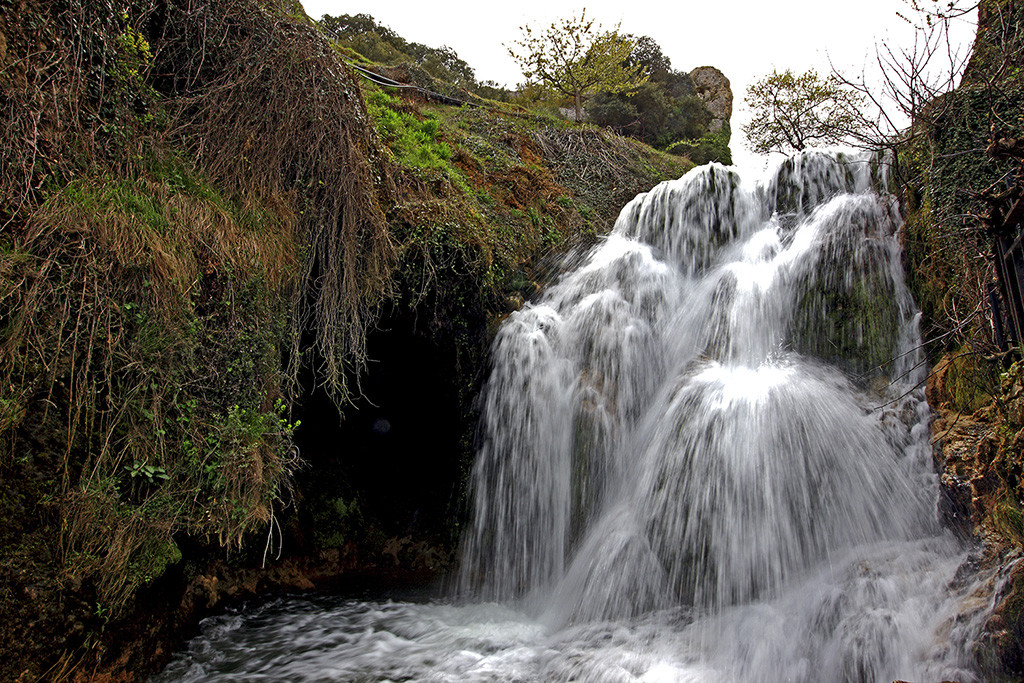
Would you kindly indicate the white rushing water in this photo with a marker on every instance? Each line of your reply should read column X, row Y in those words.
column 704, row 457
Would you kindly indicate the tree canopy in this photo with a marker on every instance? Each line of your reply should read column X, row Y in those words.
column 794, row 111
column 664, row 112
column 576, row 58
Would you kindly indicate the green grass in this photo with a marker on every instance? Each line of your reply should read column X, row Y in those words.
column 414, row 142
column 122, row 195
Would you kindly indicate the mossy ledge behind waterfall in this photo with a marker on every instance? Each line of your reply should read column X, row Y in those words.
column 246, row 302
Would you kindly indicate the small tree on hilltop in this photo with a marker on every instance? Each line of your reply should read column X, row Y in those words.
column 792, row 112
column 575, row 58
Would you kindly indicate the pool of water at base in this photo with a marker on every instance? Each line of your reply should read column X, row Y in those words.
column 839, row 623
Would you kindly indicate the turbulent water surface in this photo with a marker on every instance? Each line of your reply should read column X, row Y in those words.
column 704, row 458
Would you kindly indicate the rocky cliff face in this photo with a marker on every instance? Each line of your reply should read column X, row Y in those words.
column 975, row 388
column 713, row 89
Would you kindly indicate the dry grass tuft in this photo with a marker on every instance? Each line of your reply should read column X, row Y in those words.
column 175, row 237
column 279, row 114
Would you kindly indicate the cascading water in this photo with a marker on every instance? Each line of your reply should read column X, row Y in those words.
column 704, row 458
column 665, row 426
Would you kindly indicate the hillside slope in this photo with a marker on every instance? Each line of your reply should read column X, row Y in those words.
column 239, row 290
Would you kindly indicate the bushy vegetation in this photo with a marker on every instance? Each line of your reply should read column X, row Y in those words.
column 412, row 141
column 665, row 112
column 650, row 114
column 707, row 148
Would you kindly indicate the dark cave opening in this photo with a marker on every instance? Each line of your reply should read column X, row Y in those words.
column 398, row 452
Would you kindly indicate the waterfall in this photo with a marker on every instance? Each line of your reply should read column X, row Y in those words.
column 724, row 397
column 704, row 457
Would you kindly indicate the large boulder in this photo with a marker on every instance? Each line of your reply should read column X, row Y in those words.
column 712, row 87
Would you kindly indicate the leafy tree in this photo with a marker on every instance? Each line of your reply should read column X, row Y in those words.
column 443, row 63
column 349, row 25
column 575, row 58
column 362, row 33
column 663, row 111
column 647, row 53
column 792, row 112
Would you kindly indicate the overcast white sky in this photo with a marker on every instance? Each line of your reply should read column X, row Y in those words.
column 743, row 38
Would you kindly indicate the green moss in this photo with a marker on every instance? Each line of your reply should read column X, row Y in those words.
column 120, row 195
column 152, row 559
column 164, row 406
column 12, row 410
column 337, row 522
column 1009, row 521
column 847, row 312
column 999, row 654
column 971, row 381
column 943, row 163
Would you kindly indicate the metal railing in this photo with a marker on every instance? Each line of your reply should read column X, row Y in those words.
column 1008, row 252
column 429, row 94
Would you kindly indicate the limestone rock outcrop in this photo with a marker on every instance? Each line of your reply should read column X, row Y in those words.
column 713, row 89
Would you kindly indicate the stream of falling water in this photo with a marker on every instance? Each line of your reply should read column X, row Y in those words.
column 704, row 457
